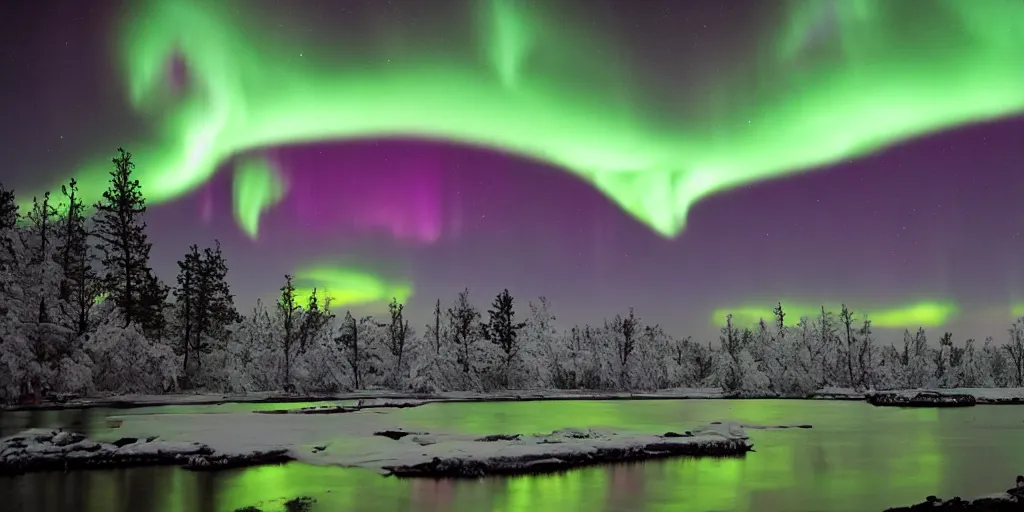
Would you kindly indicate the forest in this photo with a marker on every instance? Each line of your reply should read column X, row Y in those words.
column 83, row 314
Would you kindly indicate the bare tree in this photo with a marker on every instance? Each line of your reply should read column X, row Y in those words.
column 1015, row 349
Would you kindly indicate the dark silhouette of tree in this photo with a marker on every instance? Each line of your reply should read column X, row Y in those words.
column 866, row 355
column 8, row 208
column 397, row 332
column 43, row 219
column 355, row 347
column 316, row 317
column 1015, row 349
column 502, row 330
column 437, row 326
column 185, row 296
column 8, row 221
column 288, row 311
column 846, row 317
column 79, row 280
column 124, row 245
column 780, row 318
column 462, row 323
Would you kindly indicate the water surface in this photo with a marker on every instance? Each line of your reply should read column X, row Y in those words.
column 856, row 458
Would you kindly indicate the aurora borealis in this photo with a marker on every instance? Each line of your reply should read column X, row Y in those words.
column 603, row 156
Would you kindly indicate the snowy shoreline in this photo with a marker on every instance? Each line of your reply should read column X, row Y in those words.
column 1011, row 500
column 387, row 398
column 369, row 440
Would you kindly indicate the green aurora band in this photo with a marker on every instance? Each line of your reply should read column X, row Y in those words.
column 879, row 72
column 928, row 314
column 346, row 286
column 257, row 187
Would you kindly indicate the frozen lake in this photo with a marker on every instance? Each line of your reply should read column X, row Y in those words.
column 856, row 458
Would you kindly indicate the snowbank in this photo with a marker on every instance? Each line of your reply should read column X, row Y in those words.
column 387, row 398
column 459, row 456
column 367, row 439
column 379, row 397
column 56, row 450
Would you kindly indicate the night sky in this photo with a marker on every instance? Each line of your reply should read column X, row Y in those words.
column 902, row 214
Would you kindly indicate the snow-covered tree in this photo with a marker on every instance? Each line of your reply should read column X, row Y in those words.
column 398, row 335
column 1015, row 352
column 540, row 337
column 464, row 329
column 624, row 332
column 251, row 364
column 355, row 340
column 126, row 360
column 971, row 372
column 502, row 330
column 945, row 372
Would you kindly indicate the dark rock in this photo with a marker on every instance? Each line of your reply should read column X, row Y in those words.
column 320, row 409
column 1014, row 501
column 125, row 441
column 676, row 434
column 922, row 399
column 214, row 461
column 499, row 437
column 393, row 434
column 300, row 504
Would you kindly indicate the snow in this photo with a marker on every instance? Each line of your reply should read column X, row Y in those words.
column 353, row 440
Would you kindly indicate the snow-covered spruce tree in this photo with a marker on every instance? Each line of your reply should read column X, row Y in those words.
column 252, row 362
column 651, row 368
column 505, row 369
column 396, row 340
column 37, row 339
column 777, row 356
column 728, row 374
column 204, row 314
column 11, row 257
column 945, row 372
column 919, row 368
column 355, row 339
column 125, row 359
column 319, row 365
column 972, row 370
column 996, row 364
column 541, row 341
column 623, row 333
column 867, row 356
column 430, row 366
column 464, row 329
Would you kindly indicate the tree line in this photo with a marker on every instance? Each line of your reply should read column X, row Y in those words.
column 83, row 313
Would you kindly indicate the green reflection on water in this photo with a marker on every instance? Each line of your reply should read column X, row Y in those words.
column 856, row 458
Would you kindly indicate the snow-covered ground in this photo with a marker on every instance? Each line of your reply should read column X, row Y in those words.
column 355, row 440
column 386, row 398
